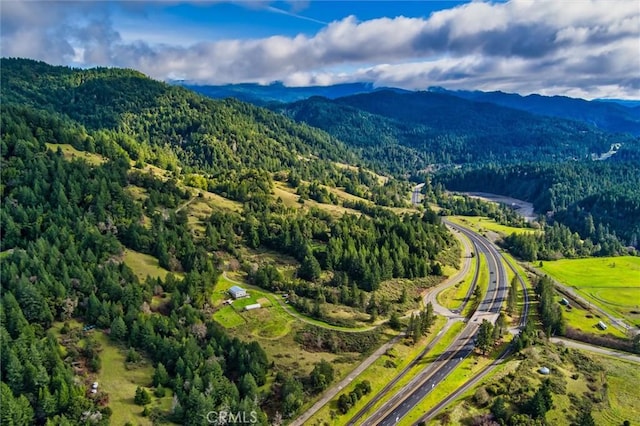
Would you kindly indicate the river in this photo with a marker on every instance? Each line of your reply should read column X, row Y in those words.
column 523, row 208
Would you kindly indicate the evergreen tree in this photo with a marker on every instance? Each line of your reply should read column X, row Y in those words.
column 485, row 336
column 118, row 329
column 142, row 397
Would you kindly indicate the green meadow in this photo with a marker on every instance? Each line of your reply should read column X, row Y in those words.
column 610, row 282
column 483, row 223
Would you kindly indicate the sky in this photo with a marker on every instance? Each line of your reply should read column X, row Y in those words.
column 579, row 48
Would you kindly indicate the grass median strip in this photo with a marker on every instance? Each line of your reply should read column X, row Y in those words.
column 453, row 297
column 482, row 284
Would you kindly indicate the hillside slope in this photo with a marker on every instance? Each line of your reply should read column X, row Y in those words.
column 440, row 128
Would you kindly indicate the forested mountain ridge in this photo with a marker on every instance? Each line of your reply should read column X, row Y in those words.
column 212, row 135
column 440, row 128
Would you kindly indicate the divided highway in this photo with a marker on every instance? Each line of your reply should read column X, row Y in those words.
column 489, row 308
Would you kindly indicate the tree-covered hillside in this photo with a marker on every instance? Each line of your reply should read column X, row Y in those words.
column 156, row 122
column 595, row 199
column 409, row 131
column 67, row 225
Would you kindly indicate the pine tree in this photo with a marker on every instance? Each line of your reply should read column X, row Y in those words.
column 484, row 339
column 118, row 329
column 512, row 296
column 142, row 397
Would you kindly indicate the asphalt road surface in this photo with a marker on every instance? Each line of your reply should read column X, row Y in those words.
column 409, row 396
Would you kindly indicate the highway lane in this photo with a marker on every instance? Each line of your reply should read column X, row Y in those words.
column 402, row 403
column 524, row 315
column 452, row 317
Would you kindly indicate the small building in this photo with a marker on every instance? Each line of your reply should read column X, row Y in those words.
column 252, row 307
column 544, row 370
column 237, row 292
column 564, row 301
column 602, row 326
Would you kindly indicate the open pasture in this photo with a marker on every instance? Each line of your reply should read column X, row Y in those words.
column 610, row 282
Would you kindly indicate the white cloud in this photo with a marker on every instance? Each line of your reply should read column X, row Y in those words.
column 591, row 48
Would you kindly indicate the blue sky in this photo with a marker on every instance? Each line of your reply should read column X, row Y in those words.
column 242, row 20
column 581, row 48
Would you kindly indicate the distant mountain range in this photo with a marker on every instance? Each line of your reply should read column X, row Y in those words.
column 609, row 115
column 277, row 92
column 406, row 131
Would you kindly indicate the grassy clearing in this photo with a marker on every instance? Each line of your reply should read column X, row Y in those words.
column 218, row 201
column 71, row 153
column 144, row 265
column 344, row 312
column 291, row 199
column 453, row 297
column 617, row 385
column 378, row 374
column 138, row 193
column 381, row 179
column 392, row 290
column 623, row 378
column 586, row 321
column 6, row 253
column 610, row 282
column 481, row 224
column 120, row 379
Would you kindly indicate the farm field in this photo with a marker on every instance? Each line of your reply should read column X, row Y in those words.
column 586, row 321
column 613, row 283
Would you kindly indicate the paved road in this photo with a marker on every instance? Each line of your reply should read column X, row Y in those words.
column 431, row 295
column 338, row 387
column 597, row 349
column 452, row 317
column 402, row 403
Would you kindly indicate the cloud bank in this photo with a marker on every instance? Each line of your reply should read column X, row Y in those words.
column 579, row 48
